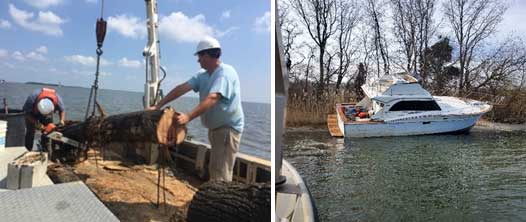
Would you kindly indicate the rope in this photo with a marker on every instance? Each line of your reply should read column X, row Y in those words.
column 161, row 172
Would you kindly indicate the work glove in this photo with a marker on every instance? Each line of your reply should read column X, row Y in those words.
column 49, row 128
column 39, row 126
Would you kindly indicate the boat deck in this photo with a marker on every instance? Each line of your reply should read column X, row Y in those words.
column 340, row 109
column 332, row 124
column 61, row 202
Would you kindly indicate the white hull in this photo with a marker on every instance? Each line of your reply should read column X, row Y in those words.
column 294, row 207
column 396, row 105
column 432, row 125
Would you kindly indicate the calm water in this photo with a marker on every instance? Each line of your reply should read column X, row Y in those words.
column 476, row 177
column 255, row 139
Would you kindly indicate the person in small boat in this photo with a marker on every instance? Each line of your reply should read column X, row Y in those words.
column 219, row 108
column 38, row 109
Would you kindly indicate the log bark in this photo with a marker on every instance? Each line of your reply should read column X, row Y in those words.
column 156, row 126
column 230, row 201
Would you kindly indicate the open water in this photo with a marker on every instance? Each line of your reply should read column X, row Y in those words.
column 255, row 139
column 475, row 177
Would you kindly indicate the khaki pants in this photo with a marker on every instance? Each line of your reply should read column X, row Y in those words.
column 225, row 145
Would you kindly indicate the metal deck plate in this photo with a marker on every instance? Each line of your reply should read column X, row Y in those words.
column 60, row 202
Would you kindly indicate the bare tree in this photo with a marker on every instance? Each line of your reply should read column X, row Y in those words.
column 348, row 17
column 405, row 30
column 427, row 28
column 289, row 28
column 472, row 22
column 413, row 27
column 502, row 68
column 367, row 48
column 310, row 57
column 319, row 18
column 375, row 14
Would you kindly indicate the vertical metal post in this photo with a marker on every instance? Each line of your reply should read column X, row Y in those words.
column 151, row 52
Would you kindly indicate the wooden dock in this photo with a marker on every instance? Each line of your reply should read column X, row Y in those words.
column 332, row 124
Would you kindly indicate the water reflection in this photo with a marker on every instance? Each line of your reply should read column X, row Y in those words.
column 480, row 176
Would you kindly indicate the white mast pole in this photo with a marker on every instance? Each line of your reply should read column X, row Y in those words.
column 151, row 54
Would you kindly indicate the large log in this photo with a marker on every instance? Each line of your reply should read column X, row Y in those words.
column 230, row 201
column 155, row 126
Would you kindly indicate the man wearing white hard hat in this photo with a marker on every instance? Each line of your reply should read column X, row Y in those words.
column 219, row 108
column 39, row 108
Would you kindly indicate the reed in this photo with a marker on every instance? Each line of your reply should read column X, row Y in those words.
column 311, row 108
column 511, row 110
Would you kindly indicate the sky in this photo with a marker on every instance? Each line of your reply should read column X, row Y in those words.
column 54, row 41
column 513, row 20
column 511, row 27
column 511, row 23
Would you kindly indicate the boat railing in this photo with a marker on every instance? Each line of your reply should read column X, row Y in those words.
column 194, row 157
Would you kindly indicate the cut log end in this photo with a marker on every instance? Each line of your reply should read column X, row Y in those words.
column 168, row 131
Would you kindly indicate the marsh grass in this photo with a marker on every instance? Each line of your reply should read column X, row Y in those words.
column 311, row 109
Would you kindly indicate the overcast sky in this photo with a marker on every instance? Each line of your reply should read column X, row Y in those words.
column 514, row 19
column 54, row 41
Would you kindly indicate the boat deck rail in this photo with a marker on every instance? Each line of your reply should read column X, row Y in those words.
column 194, row 157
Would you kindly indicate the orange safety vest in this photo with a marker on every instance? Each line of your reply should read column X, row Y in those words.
column 46, row 93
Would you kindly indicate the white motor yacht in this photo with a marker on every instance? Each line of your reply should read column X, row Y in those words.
column 397, row 105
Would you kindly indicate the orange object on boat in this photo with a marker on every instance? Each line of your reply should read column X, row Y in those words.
column 363, row 115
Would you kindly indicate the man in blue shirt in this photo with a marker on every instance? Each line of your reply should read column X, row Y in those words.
column 38, row 109
column 220, row 107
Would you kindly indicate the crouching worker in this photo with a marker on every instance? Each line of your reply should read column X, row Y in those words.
column 38, row 109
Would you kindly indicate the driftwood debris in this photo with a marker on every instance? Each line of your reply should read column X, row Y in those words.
column 155, row 126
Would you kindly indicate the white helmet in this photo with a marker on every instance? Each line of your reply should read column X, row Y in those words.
column 207, row 43
column 45, row 106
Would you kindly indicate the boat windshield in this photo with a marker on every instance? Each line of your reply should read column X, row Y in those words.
column 428, row 105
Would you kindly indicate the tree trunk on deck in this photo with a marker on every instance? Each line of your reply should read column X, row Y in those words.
column 154, row 126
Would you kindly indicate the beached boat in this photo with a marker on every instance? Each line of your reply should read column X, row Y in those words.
column 396, row 105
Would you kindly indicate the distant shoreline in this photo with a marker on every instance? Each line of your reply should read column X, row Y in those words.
column 43, row 83
column 57, row 85
column 488, row 125
column 51, row 84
